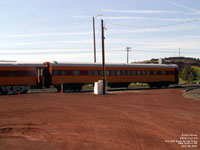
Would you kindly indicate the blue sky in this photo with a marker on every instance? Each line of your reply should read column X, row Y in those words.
column 61, row 30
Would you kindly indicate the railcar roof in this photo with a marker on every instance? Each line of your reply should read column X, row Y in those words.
column 21, row 65
column 91, row 65
column 118, row 65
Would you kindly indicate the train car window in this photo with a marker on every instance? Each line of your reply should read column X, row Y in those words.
column 123, row 72
column 12, row 73
column 138, row 73
column 96, row 73
column 155, row 72
column 76, row 73
column 113, row 73
column 63, row 72
column 101, row 73
column 118, row 73
column 55, row 72
column 143, row 72
column 90, row 73
column 163, row 72
column 133, row 72
column 148, row 72
column 128, row 72
column 107, row 73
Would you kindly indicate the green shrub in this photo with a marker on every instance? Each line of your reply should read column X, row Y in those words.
column 188, row 73
column 197, row 72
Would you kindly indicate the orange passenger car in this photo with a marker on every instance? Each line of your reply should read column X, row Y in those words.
column 16, row 78
column 74, row 76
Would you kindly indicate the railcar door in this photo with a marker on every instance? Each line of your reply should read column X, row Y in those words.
column 39, row 81
column 47, row 75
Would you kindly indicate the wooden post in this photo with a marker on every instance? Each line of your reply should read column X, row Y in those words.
column 94, row 39
column 103, row 57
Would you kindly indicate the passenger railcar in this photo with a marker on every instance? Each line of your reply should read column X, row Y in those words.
column 74, row 76
column 16, row 78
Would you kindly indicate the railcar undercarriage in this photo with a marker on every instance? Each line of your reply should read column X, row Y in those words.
column 14, row 89
column 158, row 84
column 70, row 86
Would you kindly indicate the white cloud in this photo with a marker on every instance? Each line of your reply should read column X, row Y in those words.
column 46, row 51
column 138, row 18
column 11, row 44
column 167, row 43
column 149, row 30
column 48, row 57
column 192, row 37
column 48, row 34
column 46, row 43
column 170, row 45
column 82, row 41
column 196, row 12
column 141, row 11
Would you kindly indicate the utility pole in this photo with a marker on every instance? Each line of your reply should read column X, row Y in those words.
column 103, row 57
column 179, row 51
column 128, row 49
column 94, row 39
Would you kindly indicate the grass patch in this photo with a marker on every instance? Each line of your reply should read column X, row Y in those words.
column 181, row 81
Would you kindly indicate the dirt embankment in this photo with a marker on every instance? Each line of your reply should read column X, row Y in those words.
column 192, row 93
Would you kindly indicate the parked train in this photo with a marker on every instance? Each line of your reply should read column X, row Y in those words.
column 16, row 78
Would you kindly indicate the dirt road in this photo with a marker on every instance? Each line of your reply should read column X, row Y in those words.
column 131, row 120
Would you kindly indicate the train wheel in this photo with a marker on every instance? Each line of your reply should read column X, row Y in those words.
column 74, row 89
column 4, row 92
column 166, row 85
column 25, row 91
column 79, row 88
column 58, row 89
column 151, row 86
column 158, row 86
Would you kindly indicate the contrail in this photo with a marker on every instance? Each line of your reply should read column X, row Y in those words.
column 182, row 6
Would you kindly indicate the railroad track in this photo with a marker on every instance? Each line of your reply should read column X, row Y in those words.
column 187, row 87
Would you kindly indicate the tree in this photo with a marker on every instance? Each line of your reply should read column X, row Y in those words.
column 188, row 73
column 191, row 76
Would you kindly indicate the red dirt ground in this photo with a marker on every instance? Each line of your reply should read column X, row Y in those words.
column 131, row 120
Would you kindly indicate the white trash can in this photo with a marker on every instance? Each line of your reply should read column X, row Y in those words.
column 98, row 87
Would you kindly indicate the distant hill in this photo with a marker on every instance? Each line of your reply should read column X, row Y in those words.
column 180, row 61
column 8, row 61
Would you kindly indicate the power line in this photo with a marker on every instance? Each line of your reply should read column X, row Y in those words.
column 155, row 26
column 152, row 51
